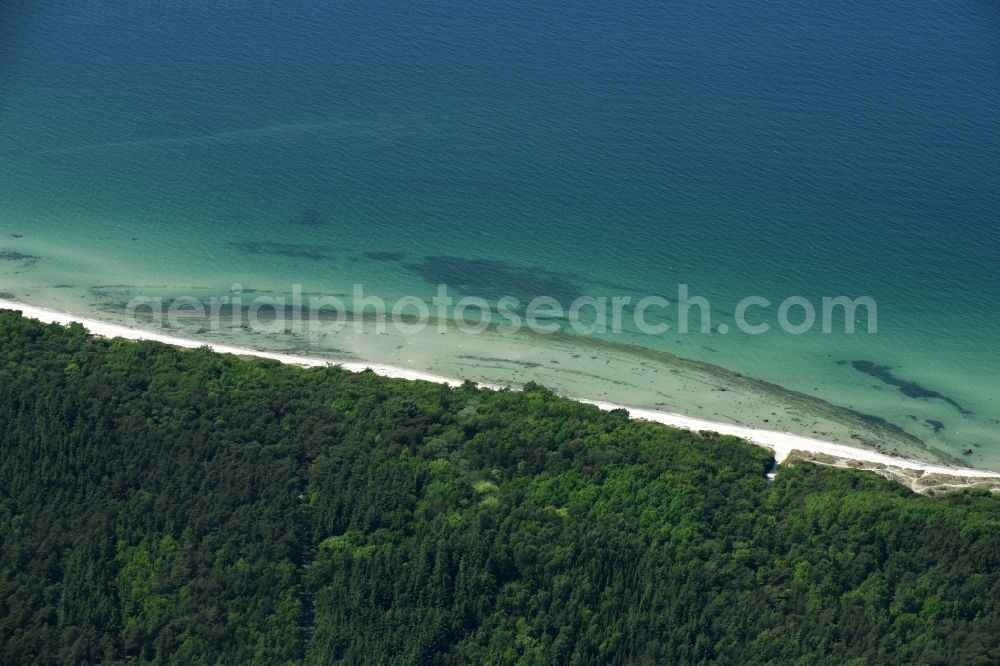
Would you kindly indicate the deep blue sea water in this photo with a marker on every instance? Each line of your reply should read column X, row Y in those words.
column 778, row 148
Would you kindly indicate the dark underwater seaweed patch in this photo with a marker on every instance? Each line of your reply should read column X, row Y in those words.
column 908, row 388
column 384, row 256
column 310, row 217
column 12, row 255
column 494, row 359
column 294, row 250
column 109, row 293
column 878, row 422
column 937, row 425
column 493, row 278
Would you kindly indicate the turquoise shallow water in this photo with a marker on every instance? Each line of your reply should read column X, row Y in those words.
column 776, row 149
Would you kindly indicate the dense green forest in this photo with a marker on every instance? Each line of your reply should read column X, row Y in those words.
column 175, row 506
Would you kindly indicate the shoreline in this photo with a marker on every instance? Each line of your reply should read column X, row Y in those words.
column 783, row 444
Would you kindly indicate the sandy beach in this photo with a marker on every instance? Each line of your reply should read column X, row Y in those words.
column 787, row 447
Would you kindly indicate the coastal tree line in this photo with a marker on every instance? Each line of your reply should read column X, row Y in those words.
column 160, row 505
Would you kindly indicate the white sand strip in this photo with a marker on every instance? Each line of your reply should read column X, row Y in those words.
column 781, row 443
